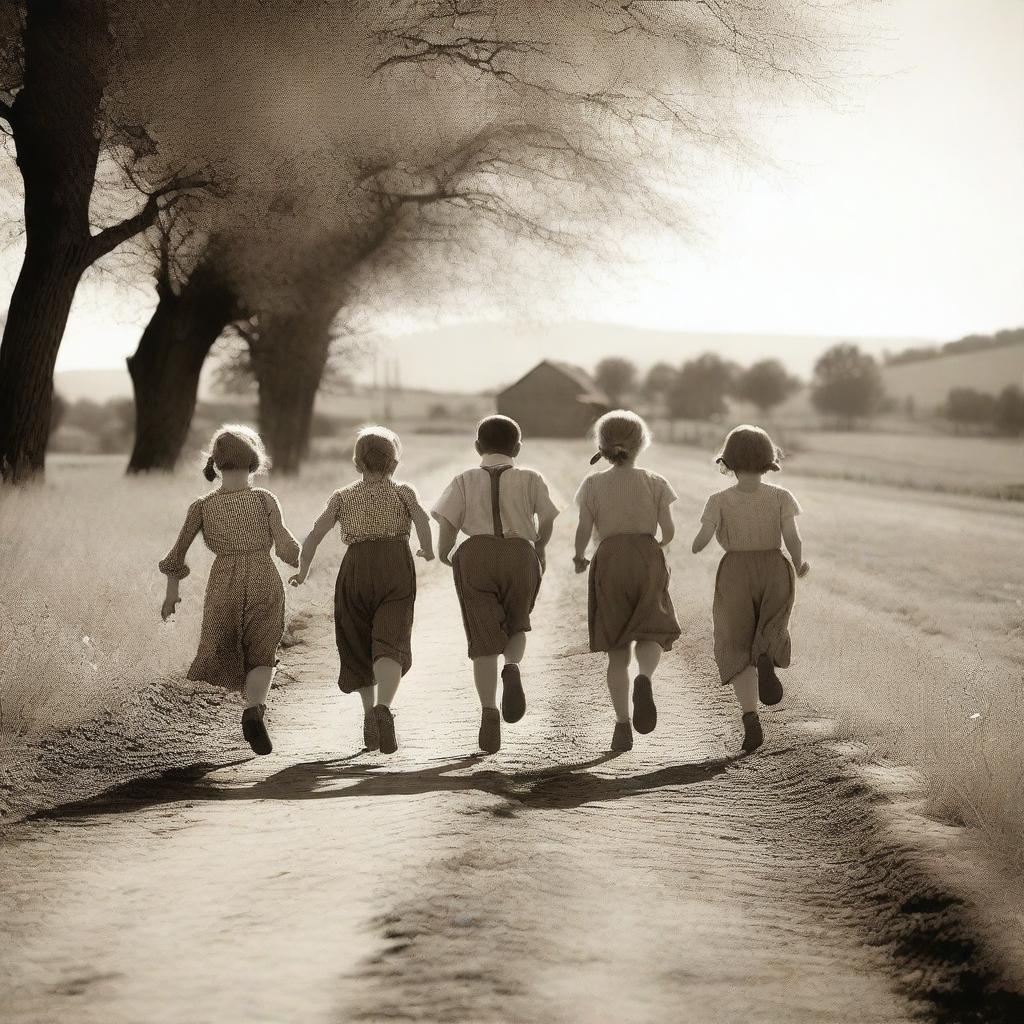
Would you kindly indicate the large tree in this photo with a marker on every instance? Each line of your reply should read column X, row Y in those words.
column 56, row 60
column 190, row 315
column 503, row 126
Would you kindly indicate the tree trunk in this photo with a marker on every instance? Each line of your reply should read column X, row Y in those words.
column 35, row 326
column 53, row 121
column 289, row 362
column 166, row 366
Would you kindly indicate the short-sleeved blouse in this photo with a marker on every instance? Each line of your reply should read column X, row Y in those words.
column 625, row 499
column 750, row 520
column 232, row 523
column 372, row 509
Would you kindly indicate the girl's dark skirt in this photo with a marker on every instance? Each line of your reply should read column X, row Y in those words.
column 374, row 600
column 629, row 598
column 754, row 593
column 497, row 580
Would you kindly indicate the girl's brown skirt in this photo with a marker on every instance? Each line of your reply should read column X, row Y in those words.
column 374, row 600
column 754, row 593
column 497, row 580
column 243, row 619
column 629, row 598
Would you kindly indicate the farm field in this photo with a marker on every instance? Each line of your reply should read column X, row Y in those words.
column 958, row 465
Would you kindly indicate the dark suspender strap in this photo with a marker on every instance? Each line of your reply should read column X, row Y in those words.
column 494, row 472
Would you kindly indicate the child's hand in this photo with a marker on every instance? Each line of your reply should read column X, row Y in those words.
column 541, row 556
column 446, row 560
column 297, row 580
column 803, row 569
column 580, row 564
column 167, row 608
column 426, row 554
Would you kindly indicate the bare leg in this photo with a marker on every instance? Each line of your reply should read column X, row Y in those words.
column 257, row 685
column 648, row 655
column 618, row 682
column 485, row 675
column 745, row 685
column 368, row 695
column 515, row 648
column 387, row 674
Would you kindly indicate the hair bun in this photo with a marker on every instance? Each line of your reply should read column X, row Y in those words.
column 210, row 470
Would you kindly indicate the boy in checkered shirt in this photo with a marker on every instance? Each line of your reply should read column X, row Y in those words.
column 375, row 594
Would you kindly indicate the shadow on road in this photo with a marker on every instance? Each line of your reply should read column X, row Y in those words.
column 564, row 786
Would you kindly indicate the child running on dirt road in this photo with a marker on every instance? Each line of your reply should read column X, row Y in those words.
column 375, row 594
column 508, row 515
column 756, row 584
column 243, row 615
column 629, row 602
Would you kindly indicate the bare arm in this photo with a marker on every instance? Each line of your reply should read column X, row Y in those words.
column 447, row 534
column 421, row 521
column 584, row 531
column 285, row 544
column 667, row 524
column 173, row 566
column 321, row 528
column 545, row 527
column 794, row 545
column 703, row 538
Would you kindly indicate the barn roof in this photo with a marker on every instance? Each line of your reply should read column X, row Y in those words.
column 589, row 391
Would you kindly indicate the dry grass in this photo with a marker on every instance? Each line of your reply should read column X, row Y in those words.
column 908, row 631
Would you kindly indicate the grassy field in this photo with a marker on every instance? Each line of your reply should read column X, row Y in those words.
column 907, row 632
column 909, row 458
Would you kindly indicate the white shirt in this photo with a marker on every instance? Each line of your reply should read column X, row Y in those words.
column 523, row 498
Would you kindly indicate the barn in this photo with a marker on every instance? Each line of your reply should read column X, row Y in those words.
column 553, row 400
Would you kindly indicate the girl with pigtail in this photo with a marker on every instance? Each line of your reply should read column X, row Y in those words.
column 629, row 607
column 243, row 613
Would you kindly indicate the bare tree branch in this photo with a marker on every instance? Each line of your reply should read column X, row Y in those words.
column 157, row 201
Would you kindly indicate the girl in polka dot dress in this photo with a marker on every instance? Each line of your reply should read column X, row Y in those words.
column 243, row 614
column 375, row 594
column 756, row 583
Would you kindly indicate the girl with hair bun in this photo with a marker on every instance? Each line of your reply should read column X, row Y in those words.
column 243, row 613
column 629, row 602
column 755, row 585
column 375, row 594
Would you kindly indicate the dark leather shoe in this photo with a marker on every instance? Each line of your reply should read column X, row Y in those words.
column 645, row 714
column 513, row 699
column 255, row 731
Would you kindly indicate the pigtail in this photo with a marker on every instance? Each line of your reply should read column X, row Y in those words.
column 210, row 470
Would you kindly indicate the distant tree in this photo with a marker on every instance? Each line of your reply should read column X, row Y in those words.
column 766, row 384
column 847, row 384
column 699, row 388
column 969, row 407
column 1008, row 413
column 658, row 382
column 616, row 378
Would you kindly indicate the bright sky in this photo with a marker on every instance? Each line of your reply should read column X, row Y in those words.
column 897, row 212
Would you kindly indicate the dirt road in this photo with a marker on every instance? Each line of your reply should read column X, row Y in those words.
column 552, row 882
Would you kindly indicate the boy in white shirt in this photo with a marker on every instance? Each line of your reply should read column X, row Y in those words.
column 507, row 515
